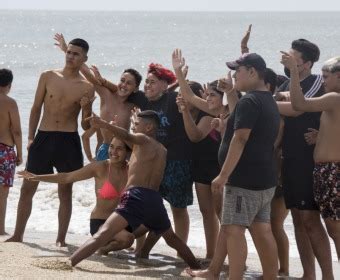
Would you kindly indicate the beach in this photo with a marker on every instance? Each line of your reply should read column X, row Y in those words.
column 118, row 42
column 39, row 258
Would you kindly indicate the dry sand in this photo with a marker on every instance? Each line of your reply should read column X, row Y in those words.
column 39, row 258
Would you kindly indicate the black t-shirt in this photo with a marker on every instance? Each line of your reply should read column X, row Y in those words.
column 171, row 132
column 256, row 169
column 207, row 149
column 294, row 145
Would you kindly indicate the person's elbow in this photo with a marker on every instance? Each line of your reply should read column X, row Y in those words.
column 298, row 105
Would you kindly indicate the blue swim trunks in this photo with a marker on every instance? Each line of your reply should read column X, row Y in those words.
column 103, row 152
column 176, row 186
column 143, row 206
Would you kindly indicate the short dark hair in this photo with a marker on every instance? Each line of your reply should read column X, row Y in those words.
column 309, row 51
column 6, row 77
column 196, row 88
column 150, row 115
column 280, row 80
column 270, row 78
column 135, row 74
column 80, row 43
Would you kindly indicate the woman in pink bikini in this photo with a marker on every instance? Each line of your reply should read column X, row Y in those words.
column 110, row 181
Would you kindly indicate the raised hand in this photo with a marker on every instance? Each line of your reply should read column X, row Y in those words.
column 178, row 61
column 181, row 103
column 134, row 112
column 225, row 84
column 97, row 74
column 245, row 39
column 27, row 175
column 61, row 43
column 288, row 60
column 204, row 93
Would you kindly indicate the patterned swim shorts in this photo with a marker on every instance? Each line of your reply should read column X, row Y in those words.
column 176, row 186
column 327, row 189
column 7, row 165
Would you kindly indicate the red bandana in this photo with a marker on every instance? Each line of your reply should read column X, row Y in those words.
column 162, row 73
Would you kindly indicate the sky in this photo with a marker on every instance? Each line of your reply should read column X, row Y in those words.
column 173, row 5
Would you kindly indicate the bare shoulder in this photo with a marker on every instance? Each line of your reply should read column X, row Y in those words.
column 8, row 102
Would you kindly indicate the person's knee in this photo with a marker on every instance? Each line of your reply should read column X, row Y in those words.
column 28, row 189
column 179, row 213
column 4, row 190
column 232, row 231
column 207, row 211
column 65, row 193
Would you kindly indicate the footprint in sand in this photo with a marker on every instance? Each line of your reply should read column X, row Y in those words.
column 55, row 264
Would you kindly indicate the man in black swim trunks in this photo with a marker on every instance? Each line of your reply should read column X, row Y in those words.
column 298, row 164
column 57, row 143
column 141, row 204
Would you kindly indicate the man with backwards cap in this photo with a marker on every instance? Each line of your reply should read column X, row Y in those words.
column 248, row 175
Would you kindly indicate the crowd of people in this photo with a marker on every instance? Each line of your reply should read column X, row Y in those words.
column 254, row 145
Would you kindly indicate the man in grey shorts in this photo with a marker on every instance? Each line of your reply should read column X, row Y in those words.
column 248, row 175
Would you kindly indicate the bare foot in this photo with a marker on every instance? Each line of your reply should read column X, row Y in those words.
column 14, row 239
column 60, row 244
column 140, row 255
column 3, row 233
column 206, row 273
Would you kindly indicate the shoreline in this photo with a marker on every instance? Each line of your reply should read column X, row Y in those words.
column 38, row 257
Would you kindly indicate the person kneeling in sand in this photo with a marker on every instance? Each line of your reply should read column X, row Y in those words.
column 110, row 180
column 141, row 203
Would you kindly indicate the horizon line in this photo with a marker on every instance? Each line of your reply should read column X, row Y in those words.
column 164, row 11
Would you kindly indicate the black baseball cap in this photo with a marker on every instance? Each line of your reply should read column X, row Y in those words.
column 248, row 59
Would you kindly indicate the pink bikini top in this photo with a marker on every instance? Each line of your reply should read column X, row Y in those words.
column 109, row 191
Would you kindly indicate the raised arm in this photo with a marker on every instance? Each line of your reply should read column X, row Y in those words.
column 121, row 133
column 326, row 102
column 178, row 63
column 36, row 108
column 16, row 130
column 93, row 77
column 195, row 132
column 244, row 41
column 226, row 85
column 87, row 172
column 105, row 83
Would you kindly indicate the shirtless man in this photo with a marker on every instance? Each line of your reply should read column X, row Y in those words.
column 113, row 98
column 10, row 136
column 57, row 143
column 141, row 204
column 327, row 149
